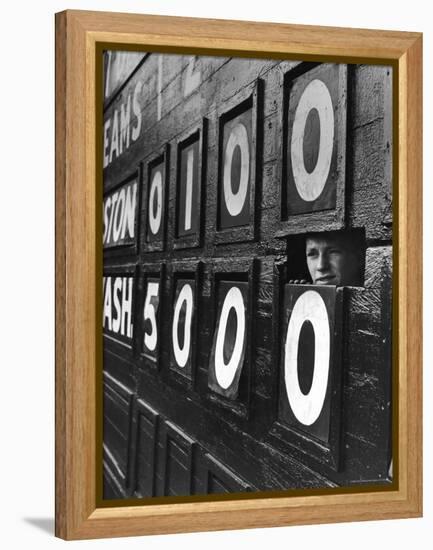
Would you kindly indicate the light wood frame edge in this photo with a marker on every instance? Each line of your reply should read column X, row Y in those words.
column 77, row 517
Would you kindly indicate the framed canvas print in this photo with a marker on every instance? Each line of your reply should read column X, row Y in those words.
column 238, row 274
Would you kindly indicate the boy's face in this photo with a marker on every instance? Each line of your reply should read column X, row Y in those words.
column 330, row 261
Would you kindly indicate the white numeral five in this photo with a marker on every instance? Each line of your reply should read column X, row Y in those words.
column 150, row 340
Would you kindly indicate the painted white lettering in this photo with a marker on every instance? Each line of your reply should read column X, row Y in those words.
column 119, row 214
column 106, row 321
column 137, row 112
column 129, row 216
column 106, row 128
column 107, row 205
column 117, row 287
column 110, row 225
column 126, row 325
column 125, row 121
column 114, row 137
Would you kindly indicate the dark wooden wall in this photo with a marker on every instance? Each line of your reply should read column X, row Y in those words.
column 170, row 433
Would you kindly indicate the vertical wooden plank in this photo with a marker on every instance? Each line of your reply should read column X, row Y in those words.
column 178, row 461
column 410, row 275
column 60, row 298
column 75, row 247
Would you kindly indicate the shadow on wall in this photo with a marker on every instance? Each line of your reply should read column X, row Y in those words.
column 44, row 524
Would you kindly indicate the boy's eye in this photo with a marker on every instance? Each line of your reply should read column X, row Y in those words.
column 312, row 253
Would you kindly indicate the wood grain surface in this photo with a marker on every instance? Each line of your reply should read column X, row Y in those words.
column 79, row 270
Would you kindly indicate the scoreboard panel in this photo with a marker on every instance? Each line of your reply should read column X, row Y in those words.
column 120, row 215
column 155, row 202
column 230, row 338
column 189, row 190
column 149, row 333
column 316, row 140
column 309, row 400
column 225, row 369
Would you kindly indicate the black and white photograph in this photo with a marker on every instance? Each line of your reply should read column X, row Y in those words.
column 217, row 271
column 247, row 275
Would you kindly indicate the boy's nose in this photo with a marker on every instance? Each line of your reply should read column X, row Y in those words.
column 322, row 262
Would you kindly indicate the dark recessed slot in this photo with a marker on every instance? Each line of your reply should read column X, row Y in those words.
column 327, row 257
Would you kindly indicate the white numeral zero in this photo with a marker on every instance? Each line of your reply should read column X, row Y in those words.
column 310, row 184
column 181, row 354
column 226, row 372
column 308, row 307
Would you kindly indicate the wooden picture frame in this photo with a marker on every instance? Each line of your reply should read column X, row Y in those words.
column 80, row 38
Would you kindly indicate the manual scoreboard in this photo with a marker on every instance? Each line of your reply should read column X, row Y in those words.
column 220, row 373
